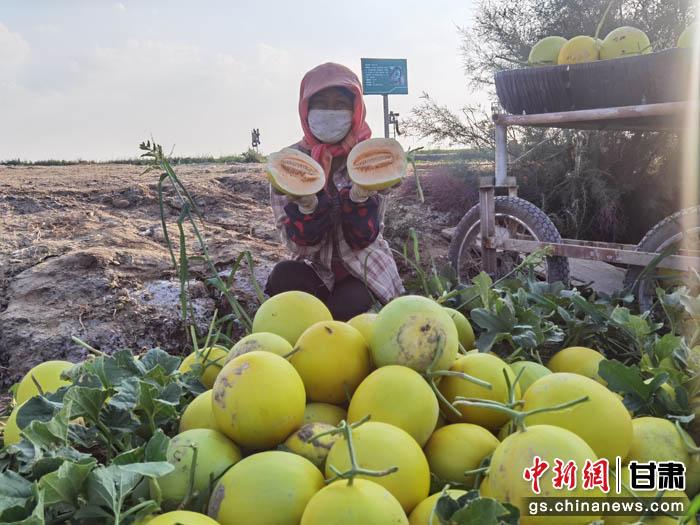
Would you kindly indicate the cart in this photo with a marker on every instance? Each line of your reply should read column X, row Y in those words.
column 494, row 233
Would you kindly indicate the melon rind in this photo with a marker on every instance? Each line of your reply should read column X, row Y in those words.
column 377, row 164
column 290, row 184
column 546, row 51
column 625, row 41
column 579, row 50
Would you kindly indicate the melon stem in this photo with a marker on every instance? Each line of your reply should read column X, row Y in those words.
column 516, row 416
column 355, row 469
column 339, row 430
column 87, row 347
column 37, row 384
column 599, row 28
column 190, row 482
column 479, row 470
column 462, row 375
column 431, row 374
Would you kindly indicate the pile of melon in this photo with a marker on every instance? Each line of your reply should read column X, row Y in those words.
column 313, row 421
column 619, row 43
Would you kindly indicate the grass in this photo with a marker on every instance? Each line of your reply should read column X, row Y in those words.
column 425, row 155
column 250, row 156
column 454, row 155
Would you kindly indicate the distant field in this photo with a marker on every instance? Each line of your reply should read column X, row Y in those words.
column 443, row 156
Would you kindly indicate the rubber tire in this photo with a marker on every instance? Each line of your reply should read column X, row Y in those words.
column 652, row 241
column 535, row 219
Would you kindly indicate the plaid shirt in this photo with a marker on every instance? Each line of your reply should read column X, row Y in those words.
column 373, row 263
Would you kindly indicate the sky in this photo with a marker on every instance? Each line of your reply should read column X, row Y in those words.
column 90, row 79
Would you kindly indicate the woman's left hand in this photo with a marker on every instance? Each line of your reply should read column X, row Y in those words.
column 360, row 194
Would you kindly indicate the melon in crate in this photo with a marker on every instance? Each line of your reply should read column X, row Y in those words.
column 579, row 50
column 546, row 51
column 625, row 41
column 377, row 164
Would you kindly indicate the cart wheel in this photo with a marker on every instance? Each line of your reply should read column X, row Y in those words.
column 515, row 217
column 682, row 226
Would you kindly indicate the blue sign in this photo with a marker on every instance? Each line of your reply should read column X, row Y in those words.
column 384, row 76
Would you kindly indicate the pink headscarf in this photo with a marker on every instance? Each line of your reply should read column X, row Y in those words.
column 319, row 78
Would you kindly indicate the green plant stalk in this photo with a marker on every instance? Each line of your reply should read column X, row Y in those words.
column 355, row 470
column 156, row 152
column 190, row 482
column 137, row 507
column 462, row 375
column 37, row 384
column 339, row 430
column 89, row 348
column 207, row 346
column 411, row 157
column 183, row 268
column 516, row 416
column 430, row 376
column 599, row 28
column 254, row 282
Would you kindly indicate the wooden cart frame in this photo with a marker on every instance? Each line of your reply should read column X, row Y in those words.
column 650, row 117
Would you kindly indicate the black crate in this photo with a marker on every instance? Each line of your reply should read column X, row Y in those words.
column 631, row 81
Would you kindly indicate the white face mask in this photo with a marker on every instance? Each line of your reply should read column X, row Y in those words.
column 330, row 125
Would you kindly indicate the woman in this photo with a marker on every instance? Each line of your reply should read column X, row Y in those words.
column 335, row 236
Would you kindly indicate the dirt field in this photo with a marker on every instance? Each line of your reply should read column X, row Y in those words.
column 82, row 253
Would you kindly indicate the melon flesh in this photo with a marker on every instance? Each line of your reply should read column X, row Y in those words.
column 376, row 164
column 294, row 173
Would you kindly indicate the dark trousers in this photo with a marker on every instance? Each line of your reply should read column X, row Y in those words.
column 348, row 298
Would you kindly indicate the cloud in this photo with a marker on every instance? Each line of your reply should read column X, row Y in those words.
column 273, row 59
column 102, row 102
column 14, row 50
column 120, row 7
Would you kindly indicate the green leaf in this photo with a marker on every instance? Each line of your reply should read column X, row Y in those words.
column 665, row 346
column 38, row 408
column 127, row 396
column 484, row 511
column 135, row 455
column 50, row 434
column 490, row 321
column 157, row 447
column 66, row 484
column 445, row 507
column 16, row 496
column 160, row 358
column 85, row 402
column 624, row 379
column 152, row 469
column 37, row 515
column 108, row 488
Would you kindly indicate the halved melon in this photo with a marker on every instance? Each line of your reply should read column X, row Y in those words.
column 376, row 164
column 292, row 172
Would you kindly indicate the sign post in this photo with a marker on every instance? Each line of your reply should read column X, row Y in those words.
column 384, row 76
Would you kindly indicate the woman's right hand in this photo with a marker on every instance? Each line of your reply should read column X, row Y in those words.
column 307, row 204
